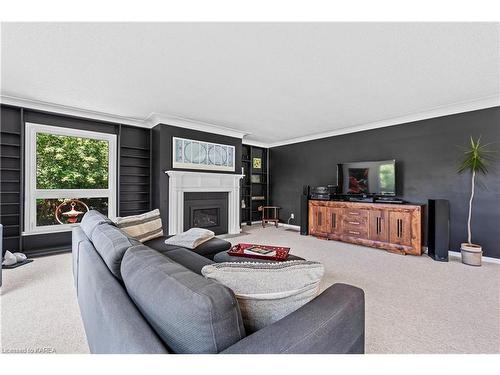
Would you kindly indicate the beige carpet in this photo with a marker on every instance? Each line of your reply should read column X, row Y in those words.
column 413, row 304
column 39, row 308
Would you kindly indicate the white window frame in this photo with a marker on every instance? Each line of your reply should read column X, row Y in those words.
column 32, row 193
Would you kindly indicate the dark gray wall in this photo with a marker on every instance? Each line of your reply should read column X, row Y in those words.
column 162, row 135
column 427, row 155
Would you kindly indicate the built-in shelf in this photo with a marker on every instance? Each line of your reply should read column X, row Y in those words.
column 135, row 148
column 11, row 175
column 254, row 194
column 135, row 156
column 135, row 171
column 9, row 145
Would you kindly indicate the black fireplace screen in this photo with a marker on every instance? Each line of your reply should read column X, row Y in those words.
column 206, row 217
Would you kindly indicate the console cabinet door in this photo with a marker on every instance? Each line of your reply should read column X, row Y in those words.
column 317, row 219
column 400, row 228
column 334, row 220
column 377, row 228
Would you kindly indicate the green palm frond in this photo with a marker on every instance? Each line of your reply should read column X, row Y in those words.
column 476, row 157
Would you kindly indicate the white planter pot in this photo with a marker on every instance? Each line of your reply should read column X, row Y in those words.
column 471, row 254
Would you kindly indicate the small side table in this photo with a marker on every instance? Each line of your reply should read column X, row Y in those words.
column 270, row 214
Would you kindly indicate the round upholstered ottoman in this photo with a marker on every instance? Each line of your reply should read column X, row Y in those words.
column 223, row 256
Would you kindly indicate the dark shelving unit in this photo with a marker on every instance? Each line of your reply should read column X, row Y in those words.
column 134, row 179
column 254, row 188
column 11, row 177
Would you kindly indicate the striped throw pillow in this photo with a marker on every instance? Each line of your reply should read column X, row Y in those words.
column 142, row 227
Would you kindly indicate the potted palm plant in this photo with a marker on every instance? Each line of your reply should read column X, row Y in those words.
column 476, row 157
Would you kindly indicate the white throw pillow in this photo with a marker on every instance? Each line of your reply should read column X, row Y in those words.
column 267, row 292
column 142, row 227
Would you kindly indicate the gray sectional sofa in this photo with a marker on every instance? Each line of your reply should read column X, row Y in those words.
column 151, row 298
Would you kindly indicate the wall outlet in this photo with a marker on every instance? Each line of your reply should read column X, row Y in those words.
column 292, row 216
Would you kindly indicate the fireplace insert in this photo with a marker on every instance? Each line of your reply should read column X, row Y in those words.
column 206, row 210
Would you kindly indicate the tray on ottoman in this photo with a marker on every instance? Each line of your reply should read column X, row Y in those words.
column 237, row 254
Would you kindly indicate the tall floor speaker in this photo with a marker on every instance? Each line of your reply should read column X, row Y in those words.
column 438, row 229
column 304, row 211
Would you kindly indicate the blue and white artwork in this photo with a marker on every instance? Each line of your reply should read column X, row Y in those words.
column 191, row 154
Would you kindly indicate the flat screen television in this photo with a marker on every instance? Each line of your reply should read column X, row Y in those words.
column 367, row 178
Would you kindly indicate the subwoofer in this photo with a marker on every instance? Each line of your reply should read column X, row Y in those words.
column 304, row 210
column 438, row 229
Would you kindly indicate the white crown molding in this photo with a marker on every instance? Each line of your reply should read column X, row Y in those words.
column 483, row 103
column 150, row 121
column 250, row 142
column 71, row 111
column 158, row 118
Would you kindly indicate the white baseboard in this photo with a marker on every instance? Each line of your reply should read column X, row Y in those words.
column 284, row 225
column 253, row 222
column 290, row 226
column 457, row 254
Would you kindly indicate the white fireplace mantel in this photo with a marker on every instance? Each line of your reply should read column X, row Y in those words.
column 181, row 182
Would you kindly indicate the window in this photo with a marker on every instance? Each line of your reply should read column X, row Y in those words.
column 68, row 172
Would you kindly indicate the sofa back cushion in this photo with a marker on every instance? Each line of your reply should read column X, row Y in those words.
column 191, row 314
column 267, row 292
column 91, row 220
column 111, row 244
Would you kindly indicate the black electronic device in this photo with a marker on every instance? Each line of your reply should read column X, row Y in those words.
column 438, row 229
column 366, row 199
column 320, row 197
column 324, row 193
column 304, row 210
column 389, row 200
column 367, row 178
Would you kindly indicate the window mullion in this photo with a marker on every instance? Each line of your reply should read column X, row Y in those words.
column 71, row 193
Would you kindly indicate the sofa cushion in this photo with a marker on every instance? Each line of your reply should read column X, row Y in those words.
column 267, row 292
column 91, row 220
column 207, row 249
column 188, row 259
column 159, row 244
column 111, row 244
column 142, row 227
column 190, row 313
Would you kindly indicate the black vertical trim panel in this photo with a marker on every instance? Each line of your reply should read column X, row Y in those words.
column 118, row 164
column 268, row 178
column 21, row 177
column 150, row 169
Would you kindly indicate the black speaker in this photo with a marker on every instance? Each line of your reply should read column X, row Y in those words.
column 304, row 210
column 438, row 229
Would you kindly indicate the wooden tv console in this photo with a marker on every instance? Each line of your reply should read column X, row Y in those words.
column 394, row 227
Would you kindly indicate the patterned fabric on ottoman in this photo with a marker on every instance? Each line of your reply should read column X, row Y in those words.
column 267, row 292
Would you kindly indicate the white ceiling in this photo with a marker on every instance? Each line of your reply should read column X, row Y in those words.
column 277, row 81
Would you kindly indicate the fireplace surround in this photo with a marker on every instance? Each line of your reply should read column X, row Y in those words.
column 181, row 182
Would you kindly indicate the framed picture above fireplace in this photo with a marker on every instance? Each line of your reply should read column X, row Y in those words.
column 192, row 154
